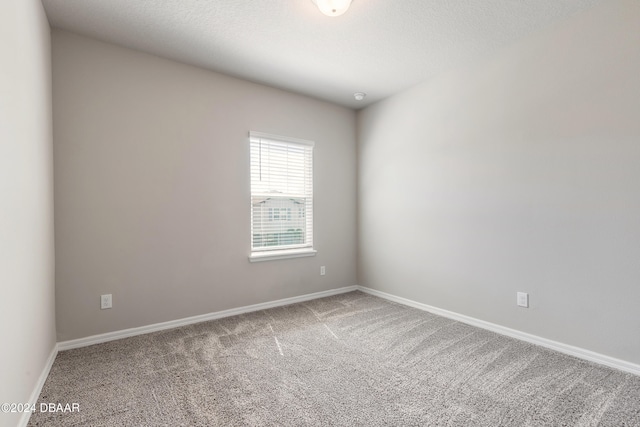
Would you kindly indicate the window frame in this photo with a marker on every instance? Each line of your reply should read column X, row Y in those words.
column 282, row 251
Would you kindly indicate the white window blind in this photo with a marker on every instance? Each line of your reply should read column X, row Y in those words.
column 281, row 193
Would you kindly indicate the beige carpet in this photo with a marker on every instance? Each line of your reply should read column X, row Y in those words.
column 346, row 360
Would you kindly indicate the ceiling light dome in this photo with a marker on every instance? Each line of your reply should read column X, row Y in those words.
column 332, row 7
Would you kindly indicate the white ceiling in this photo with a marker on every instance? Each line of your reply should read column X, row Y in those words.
column 379, row 46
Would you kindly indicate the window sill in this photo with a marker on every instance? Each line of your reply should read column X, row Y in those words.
column 286, row 254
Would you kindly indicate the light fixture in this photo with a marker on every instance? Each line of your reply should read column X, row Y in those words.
column 359, row 96
column 332, row 7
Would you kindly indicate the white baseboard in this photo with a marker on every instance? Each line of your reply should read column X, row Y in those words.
column 513, row 333
column 35, row 394
column 111, row 336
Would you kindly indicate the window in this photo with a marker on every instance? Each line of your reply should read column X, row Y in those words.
column 281, row 197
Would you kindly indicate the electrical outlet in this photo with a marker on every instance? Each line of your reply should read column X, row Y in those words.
column 105, row 301
column 323, row 271
column 523, row 299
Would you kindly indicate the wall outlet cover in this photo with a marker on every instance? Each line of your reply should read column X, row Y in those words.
column 523, row 299
column 106, row 301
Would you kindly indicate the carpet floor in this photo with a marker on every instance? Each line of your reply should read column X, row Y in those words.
column 347, row 360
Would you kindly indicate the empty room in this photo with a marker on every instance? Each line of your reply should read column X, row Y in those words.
column 320, row 213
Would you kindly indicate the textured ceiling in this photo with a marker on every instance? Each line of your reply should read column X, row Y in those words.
column 379, row 47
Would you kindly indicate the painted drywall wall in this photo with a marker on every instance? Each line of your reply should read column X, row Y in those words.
column 152, row 189
column 520, row 173
column 27, row 318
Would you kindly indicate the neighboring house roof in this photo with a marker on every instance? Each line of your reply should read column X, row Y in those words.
column 296, row 201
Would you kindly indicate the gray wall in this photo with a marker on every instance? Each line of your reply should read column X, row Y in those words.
column 152, row 194
column 521, row 173
column 27, row 318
